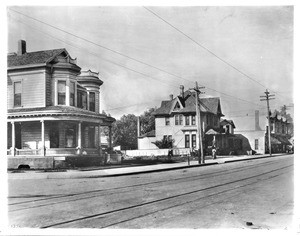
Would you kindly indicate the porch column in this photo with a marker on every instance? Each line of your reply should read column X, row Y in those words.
column 13, row 139
column 43, row 137
column 110, row 138
column 79, row 147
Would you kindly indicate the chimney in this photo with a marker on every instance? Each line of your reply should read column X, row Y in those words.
column 182, row 91
column 21, row 47
column 257, row 127
column 171, row 97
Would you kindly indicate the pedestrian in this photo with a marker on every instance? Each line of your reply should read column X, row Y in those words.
column 214, row 152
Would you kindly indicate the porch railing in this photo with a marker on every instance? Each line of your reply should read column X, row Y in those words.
column 31, row 152
column 54, row 151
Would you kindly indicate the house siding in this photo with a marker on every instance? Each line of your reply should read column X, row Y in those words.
column 33, row 89
column 49, row 90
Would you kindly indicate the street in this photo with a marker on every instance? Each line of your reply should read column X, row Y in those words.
column 255, row 194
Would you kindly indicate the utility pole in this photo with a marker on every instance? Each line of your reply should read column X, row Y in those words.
column 268, row 97
column 199, row 125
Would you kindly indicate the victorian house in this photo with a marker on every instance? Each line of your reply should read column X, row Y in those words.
column 53, row 116
column 176, row 120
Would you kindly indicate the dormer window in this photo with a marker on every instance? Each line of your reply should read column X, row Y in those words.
column 61, row 92
column 17, row 94
column 177, row 106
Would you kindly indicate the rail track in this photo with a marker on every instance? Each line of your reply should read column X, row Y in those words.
column 164, row 203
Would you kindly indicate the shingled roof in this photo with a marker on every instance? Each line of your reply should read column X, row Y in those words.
column 32, row 58
column 188, row 103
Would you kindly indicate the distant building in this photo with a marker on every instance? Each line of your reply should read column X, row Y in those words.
column 176, row 118
column 256, row 131
column 53, row 110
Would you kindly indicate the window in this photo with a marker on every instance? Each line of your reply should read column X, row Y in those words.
column 17, row 93
column 180, row 119
column 61, row 92
column 187, row 120
column 193, row 140
column 187, row 141
column 92, row 101
column 167, row 120
column 177, row 106
column 81, row 97
column 72, row 94
column 193, row 120
column 256, row 144
column 70, row 136
column 176, row 120
column 91, row 131
column 215, row 121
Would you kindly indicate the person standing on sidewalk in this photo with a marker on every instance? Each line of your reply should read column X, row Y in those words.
column 214, row 148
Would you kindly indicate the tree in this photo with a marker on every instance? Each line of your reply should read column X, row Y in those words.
column 164, row 143
column 147, row 121
column 124, row 132
column 288, row 118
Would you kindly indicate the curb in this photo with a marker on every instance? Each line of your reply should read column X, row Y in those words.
column 253, row 158
column 78, row 175
column 151, row 171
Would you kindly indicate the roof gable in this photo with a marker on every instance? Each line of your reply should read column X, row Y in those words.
column 33, row 58
column 188, row 105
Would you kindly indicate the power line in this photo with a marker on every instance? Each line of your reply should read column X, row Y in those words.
column 120, row 54
column 98, row 45
column 205, row 48
column 104, row 59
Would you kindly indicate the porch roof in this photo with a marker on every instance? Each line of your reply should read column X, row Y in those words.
column 56, row 111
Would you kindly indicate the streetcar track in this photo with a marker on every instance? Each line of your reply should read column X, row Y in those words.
column 233, row 170
column 195, row 177
column 159, row 200
column 190, row 201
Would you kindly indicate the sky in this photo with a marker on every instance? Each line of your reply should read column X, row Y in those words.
column 236, row 53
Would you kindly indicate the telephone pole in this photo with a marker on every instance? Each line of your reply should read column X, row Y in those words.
column 199, row 126
column 268, row 97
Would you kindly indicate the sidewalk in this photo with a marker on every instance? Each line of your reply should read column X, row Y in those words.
column 110, row 172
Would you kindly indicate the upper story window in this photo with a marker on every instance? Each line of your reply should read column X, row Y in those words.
column 61, row 92
column 178, row 119
column 17, row 93
column 193, row 120
column 92, row 101
column 82, row 100
column 167, row 120
column 187, row 120
column 72, row 94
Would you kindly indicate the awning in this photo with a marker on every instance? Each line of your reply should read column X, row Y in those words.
column 279, row 139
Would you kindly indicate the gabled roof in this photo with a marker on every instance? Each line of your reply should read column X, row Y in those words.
column 32, row 58
column 225, row 122
column 188, row 103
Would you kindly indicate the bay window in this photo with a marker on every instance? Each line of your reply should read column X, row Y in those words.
column 61, row 92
